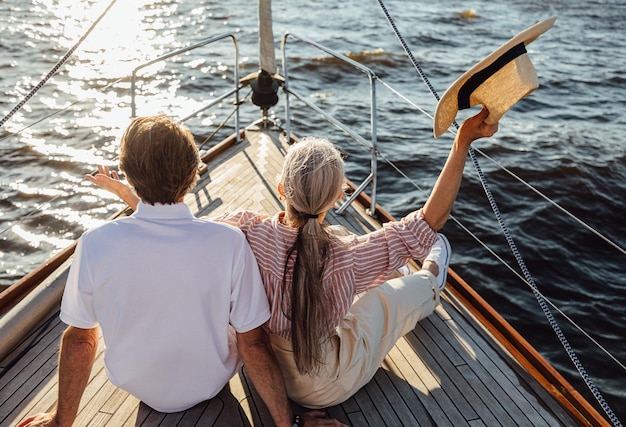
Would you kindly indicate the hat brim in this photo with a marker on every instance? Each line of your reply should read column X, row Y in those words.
column 507, row 76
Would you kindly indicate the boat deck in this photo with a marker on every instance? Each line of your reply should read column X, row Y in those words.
column 447, row 372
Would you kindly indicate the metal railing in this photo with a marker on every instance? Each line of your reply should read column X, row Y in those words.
column 371, row 144
column 217, row 100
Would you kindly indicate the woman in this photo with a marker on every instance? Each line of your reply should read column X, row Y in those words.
column 334, row 314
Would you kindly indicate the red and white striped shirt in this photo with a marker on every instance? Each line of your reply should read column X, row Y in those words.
column 357, row 263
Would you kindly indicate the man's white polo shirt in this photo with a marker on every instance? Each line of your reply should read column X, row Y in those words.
column 164, row 287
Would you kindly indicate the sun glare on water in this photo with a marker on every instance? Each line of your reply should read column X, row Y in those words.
column 117, row 42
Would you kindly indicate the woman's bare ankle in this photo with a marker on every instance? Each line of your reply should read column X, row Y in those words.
column 431, row 266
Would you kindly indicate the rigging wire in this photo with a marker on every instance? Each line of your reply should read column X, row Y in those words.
column 54, row 69
column 542, row 303
column 552, row 202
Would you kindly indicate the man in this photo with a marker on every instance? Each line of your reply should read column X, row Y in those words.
column 179, row 300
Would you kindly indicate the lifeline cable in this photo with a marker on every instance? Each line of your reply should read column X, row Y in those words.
column 553, row 323
column 54, row 69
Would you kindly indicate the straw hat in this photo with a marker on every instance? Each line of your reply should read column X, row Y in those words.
column 498, row 81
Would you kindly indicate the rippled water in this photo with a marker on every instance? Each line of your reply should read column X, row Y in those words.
column 566, row 139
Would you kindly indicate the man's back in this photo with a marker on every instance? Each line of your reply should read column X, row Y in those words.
column 164, row 287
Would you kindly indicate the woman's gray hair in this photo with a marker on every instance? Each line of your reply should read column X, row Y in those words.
column 312, row 176
column 312, row 180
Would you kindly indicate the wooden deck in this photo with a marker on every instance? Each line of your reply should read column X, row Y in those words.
column 447, row 372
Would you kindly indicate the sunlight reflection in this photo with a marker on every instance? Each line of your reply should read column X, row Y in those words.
column 124, row 37
column 64, row 152
column 93, row 194
column 37, row 240
column 71, row 216
column 26, row 190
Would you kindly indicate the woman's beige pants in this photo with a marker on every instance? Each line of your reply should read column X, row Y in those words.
column 377, row 319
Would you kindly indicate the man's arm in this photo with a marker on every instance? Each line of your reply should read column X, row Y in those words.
column 78, row 351
column 262, row 367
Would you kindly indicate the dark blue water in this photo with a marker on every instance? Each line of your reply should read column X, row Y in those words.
column 566, row 139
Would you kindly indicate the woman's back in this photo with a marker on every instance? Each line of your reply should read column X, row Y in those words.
column 355, row 264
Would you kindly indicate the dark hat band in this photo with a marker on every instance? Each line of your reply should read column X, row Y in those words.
column 481, row 76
